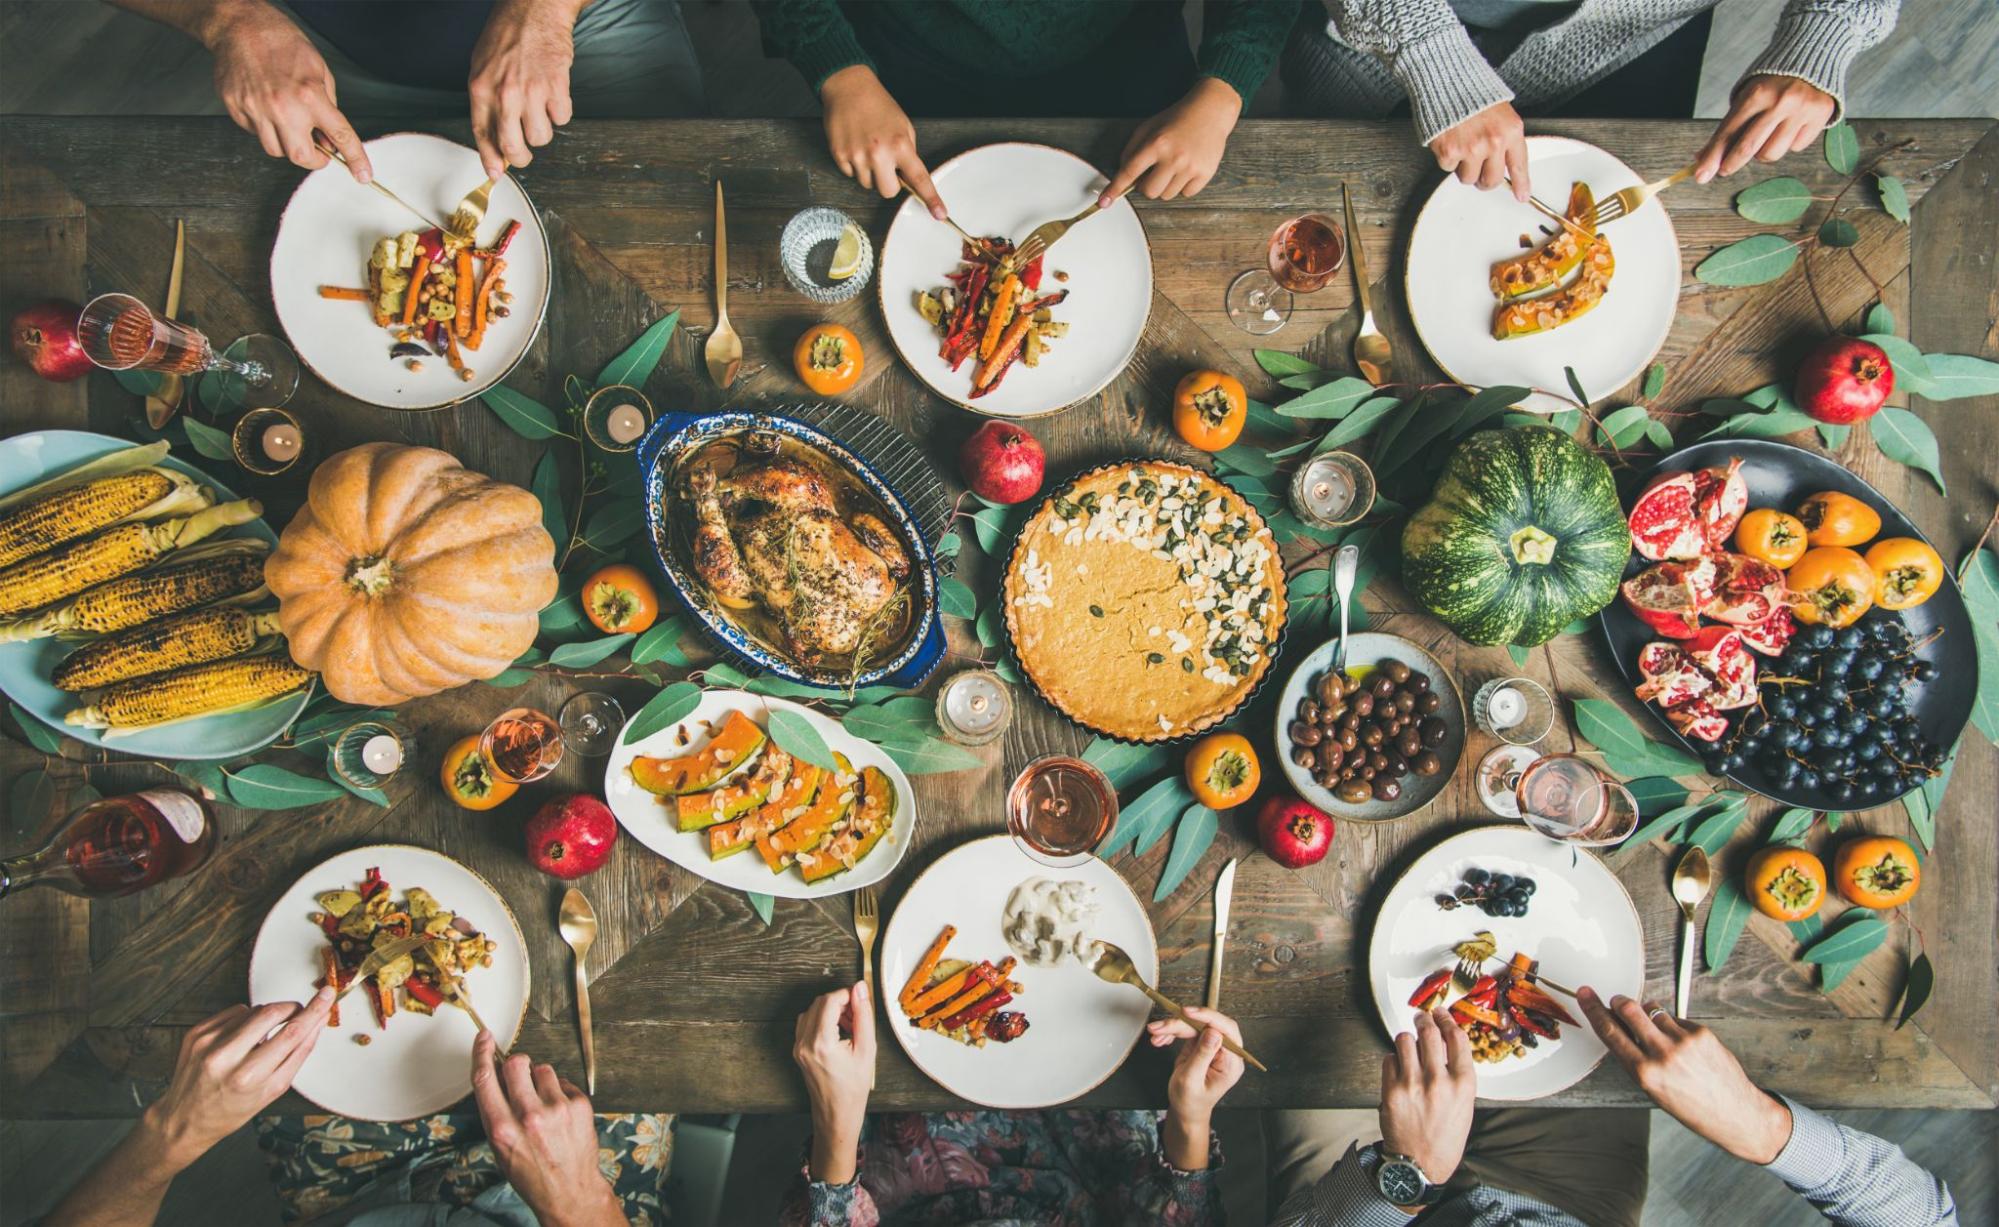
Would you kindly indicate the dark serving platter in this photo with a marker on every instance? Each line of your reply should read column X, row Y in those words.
column 1780, row 475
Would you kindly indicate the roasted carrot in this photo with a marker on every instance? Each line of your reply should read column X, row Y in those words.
column 925, row 967
column 945, row 989
column 983, row 985
column 461, row 324
column 1006, row 351
column 345, row 293
column 417, row 275
column 332, row 977
column 482, row 302
column 451, row 353
column 1001, row 316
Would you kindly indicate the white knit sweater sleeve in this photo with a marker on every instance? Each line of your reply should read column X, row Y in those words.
column 1431, row 55
column 1817, row 40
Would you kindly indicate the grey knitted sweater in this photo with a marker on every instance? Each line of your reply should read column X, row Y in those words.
column 1376, row 51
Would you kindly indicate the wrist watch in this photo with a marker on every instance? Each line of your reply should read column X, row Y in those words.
column 1399, row 1179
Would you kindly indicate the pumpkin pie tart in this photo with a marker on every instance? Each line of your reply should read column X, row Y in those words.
column 1145, row 600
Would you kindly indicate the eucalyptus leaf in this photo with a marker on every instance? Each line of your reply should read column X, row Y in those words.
column 761, row 904
column 589, row 652
column 948, row 545
column 1519, row 655
column 1244, row 458
column 1833, row 436
column 1122, row 763
column 1907, row 439
column 1774, row 202
column 661, row 642
column 1878, row 319
column 34, row 732
column 207, row 440
column 1309, row 380
column 1838, row 232
column 1333, row 400
column 1978, row 576
column 796, row 736
column 993, row 527
column 635, row 365
column 29, row 799
column 1623, row 427
column 987, row 626
column 140, row 383
column 1842, row 148
column 1772, row 425
column 1626, row 751
column 205, row 778
column 339, row 717
column 1726, row 917
column 1666, row 826
column 1575, row 384
column 1958, row 375
column 933, row 756
column 373, row 796
column 525, row 416
column 664, row 710
column 1655, row 381
column 1717, row 828
column 264, row 786
column 613, row 523
column 1395, row 423
column 725, row 673
column 507, row 679
column 1752, row 261
column 885, row 729
column 1894, row 197
column 1192, row 837
column 1358, row 423
column 955, row 598
column 561, row 614
column 1807, row 929
column 1263, row 417
column 1278, row 364
column 1656, row 794
column 546, row 486
column 1912, row 368
column 1793, row 825
column 1848, row 943
column 1832, row 975
column 1916, row 988
column 1658, row 434
column 1156, row 806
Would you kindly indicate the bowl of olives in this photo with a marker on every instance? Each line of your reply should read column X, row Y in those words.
column 1376, row 742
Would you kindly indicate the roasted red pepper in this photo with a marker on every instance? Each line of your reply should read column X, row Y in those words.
column 1533, row 1024
column 1528, row 997
column 506, row 240
column 1431, row 989
column 984, row 1005
column 424, row 993
column 1031, row 275
column 372, row 883
column 431, row 244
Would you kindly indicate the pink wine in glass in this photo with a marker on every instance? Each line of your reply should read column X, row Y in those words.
column 1306, row 252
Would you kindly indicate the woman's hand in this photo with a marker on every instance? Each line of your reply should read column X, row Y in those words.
column 1178, row 149
column 230, row 1068
column 520, row 80
column 838, row 1068
column 871, row 139
column 1768, row 117
column 544, row 1139
column 277, row 87
column 1692, row 1075
column 1203, row 1071
column 1486, row 150
column 1427, row 1089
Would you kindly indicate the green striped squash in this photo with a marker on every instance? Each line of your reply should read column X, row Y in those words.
column 1522, row 536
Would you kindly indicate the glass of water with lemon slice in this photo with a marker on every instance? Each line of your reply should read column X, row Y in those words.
column 826, row 257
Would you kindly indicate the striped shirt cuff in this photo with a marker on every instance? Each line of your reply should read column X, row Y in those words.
column 1815, row 1152
column 1346, row 1195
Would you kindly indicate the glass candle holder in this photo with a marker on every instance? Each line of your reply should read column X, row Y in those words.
column 616, row 417
column 806, row 253
column 974, row 707
column 367, row 754
column 268, row 442
column 1332, row 490
column 1517, row 710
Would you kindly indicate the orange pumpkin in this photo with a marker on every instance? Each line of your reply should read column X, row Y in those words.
column 828, row 359
column 469, row 779
column 1830, row 584
column 1786, row 883
column 405, row 574
column 1222, row 770
column 1907, row 572
column 1209, row 409
column 1833, row 518
column 1877, row 871
column 619, row 599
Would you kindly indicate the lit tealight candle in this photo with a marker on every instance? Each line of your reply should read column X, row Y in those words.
column 1506, row 708
column 973, row 707
column 625, row 423
column 382, row 754
column 280, row 442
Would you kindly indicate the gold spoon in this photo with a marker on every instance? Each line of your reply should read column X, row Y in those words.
column 1371, row 350
column 724, row 354
column 1114, row 965
column 1692, row 878
column 578, row 924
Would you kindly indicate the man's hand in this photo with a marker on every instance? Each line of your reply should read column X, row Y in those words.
column 520, row 80
column 544, row 1139
column 1178, row 149
column 230, row 1068
column 1768, row 117
column 276, row 86
column 1427, row 1088
column 871, row 139
column 1203, row 1071
column 838, row 1068
column 1692, row 1075
column 1486, row 150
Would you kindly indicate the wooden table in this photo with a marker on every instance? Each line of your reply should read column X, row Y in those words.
column 694, row 996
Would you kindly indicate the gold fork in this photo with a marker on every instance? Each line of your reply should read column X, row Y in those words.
column 1631, row 199
column 1045, row 236
column 973, row 239
column 465, row 219
column 867, row 921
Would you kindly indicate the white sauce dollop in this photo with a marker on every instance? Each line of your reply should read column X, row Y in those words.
column 1044, row 920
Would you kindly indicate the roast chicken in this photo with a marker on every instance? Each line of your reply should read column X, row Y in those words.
column 771, row 533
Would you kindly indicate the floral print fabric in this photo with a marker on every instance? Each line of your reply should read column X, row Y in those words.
column 1069, row 1167
column 324, row 1163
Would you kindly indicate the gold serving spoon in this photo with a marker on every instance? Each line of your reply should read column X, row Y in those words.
column 1372, row 353
column 578, row 924
column 1692, row 878
column 724, row 354
column 1114, row 965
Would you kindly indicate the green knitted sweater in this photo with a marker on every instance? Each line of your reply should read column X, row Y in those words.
column 1240, row 42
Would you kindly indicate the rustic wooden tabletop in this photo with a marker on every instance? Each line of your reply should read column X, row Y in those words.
column 694, row 996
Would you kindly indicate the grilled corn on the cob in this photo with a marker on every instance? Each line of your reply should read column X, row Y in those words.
column 202, row 690
column 47, row 578
column 216, row 633
column 214, row 572
column 77, row 511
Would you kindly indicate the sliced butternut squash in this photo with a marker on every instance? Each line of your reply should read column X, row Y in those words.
column 738, row 740
column 736, row 798
column 833, row 802
column 787, row 803
column 1546, row 265
column 845, row 848
column 1529, row 316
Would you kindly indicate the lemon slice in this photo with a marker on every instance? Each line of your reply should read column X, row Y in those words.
column 847, row 256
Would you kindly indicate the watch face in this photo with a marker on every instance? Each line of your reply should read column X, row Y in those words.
column 1400, row 1182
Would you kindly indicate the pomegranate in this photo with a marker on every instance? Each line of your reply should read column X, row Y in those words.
column 1721, row 497
column 1772, row 635
column 1718, row 650
column 1670, row 597
column 1663, row 522
column 1002, row 463
column 1293, row 833
column 1698, row 720
column 571, row 836
column 1745, row 590
column 1844, row 380
column 1671, row 677
column 44, row 337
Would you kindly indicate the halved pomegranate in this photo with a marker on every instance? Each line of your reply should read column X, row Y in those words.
column 1675, row 687
column 1746, row 590
column 1664, row 523
column 1698, row 720
column 1671, row 596
column 1721, row 497
column 1658, row 658
column 1719, row 651
column 1773, row 634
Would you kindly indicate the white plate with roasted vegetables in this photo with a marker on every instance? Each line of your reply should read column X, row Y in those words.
column 1514, row 907
column 132, row 610
column 732, row 794
column 399, row 1048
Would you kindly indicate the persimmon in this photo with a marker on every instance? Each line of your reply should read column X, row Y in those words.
column 1209, row 409
column 828, row 359
column 1786, row 883
column 1877, row 871
column 619, row 599
column 1907, row 572
column 469, row 779
column 1832, row 585
column 1832, row 518
column 1769, row 535
column 1222, row 770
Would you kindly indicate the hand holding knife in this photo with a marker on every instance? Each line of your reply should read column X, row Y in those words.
column 1224, row 895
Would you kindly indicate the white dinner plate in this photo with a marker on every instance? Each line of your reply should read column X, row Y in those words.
column 1007, row 190
column 1080, row 1028
column 648, row 820
column 1463, row 231
column 1580, row 924
column 330, row 227
column 416, row 1065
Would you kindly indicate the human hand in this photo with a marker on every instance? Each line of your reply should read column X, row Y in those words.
column 520, row 80
column 1178, row 149
column 837, row 1072
column 872, row 140
column 277, row 87
column 1427, row 1088
column 1203, row 1071
column 230, row 1068
column 1487, row 149
column 1768, row 117
column 1690, row 1073
column 544, row 1138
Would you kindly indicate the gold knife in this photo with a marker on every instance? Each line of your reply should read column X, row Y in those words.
column 382, row 956
column 1224, row 895
column 160, row 405
column 454, row 986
